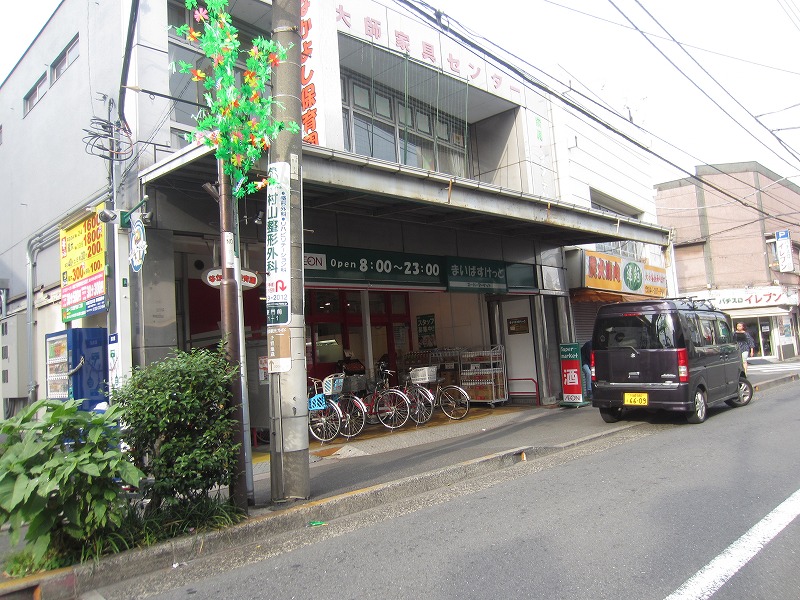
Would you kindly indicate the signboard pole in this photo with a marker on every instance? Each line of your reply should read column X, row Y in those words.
column 290, row 477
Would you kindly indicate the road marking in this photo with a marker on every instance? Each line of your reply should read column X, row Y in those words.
column 714, row 575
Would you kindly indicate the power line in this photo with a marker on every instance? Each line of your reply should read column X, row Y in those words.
column 702, row 91
column 771, row 131
column 789, row 13
column 437, row 17
column 623, row 26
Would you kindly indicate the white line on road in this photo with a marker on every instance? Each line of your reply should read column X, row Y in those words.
column 714, row 575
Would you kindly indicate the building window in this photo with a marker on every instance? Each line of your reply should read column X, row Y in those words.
column 65, row 59
column 192, row 93
column 36, row 93
column 383, row 123
column 361, row 97
column 1, row 135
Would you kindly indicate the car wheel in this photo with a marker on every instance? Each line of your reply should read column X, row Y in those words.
column 745, row 394
column 611, row 415
column 698, row 414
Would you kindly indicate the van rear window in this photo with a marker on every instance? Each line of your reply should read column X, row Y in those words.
column 638, row 331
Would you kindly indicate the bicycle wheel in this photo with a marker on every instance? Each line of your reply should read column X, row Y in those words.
column 421, row 403
column 393, row 408
column 325, row 424
column 454, row 401
column 354, row 415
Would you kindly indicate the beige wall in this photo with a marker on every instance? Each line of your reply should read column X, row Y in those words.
column 721, row 240
column 461, row 320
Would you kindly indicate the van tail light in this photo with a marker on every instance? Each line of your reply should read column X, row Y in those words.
column 683, row 365
column 591, row 364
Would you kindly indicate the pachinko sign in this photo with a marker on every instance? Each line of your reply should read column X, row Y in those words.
column 83, row 280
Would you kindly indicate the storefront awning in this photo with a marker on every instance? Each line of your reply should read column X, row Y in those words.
column 761, row 311
column 338, row 184
column 587, row 295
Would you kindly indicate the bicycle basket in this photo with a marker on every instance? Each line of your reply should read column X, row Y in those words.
column 332, row 384
column 355, row 383
column 316, row 402
column 423, row 374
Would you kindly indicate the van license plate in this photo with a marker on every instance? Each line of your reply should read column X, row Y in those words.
column 635, row 399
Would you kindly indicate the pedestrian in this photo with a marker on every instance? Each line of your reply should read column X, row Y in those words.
column 746, row 343
column 586, row 369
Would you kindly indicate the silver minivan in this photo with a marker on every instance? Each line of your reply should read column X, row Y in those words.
column 677, row 355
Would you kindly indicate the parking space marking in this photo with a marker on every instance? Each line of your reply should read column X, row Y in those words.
column 714, row 575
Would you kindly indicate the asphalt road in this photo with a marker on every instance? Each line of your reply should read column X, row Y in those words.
column 634, row 516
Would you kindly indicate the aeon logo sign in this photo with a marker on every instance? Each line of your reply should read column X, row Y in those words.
column 315, row 262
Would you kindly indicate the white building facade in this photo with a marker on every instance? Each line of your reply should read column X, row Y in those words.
column 442, row 193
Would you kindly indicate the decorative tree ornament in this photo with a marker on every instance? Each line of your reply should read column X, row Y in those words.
column 238, row 122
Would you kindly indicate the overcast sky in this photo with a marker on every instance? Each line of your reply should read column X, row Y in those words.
column 750, row 48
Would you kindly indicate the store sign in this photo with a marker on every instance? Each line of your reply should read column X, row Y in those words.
column 783, row 248
column 83, row 264
column 137, row 245
column 278, row 245
column 518, row 325
column 213, row 277
column 380, row 26
column 773, row 295
column 356, row 266
column 310, row 19
column 476, row 275
column 571, row 373
column 359, row 266
column 617, row 274
column 426, row 331
column 279, row 346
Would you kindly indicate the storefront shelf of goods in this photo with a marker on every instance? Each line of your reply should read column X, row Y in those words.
column 483, row 375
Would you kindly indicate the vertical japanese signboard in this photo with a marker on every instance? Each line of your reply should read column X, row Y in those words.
column 571, row 373
column 83, row 265
column 783, row 248
column 426, row 331
column 278, row 263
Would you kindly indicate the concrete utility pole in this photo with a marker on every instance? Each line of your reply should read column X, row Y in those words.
column 289, row 470
column 229, row 308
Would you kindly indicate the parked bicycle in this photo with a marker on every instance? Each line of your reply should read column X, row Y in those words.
column 354, row 411
column 389, row 405
column 324, row 414
column 422, row 399
column 452, row 399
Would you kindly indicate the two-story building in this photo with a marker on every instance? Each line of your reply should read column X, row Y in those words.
column 736, row 237
column 441, row 189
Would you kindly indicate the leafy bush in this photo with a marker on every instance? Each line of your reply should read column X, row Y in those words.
column 61, row 474
column 179, row 426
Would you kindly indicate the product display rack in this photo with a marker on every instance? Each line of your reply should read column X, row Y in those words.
column 446, row 359
column 483, row 375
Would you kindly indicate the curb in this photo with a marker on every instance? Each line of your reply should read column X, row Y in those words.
column 770, row 383
column 70, row 582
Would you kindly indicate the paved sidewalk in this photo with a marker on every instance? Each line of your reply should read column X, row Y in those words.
column 377, row 467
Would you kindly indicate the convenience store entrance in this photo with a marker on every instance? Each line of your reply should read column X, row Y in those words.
column 336, row 321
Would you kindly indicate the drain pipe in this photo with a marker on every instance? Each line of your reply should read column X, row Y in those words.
column 35, row 244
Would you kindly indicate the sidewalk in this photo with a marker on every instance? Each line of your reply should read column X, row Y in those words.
column 378, row 467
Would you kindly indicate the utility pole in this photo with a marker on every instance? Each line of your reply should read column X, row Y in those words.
column 289, row 470
column 229, row 308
